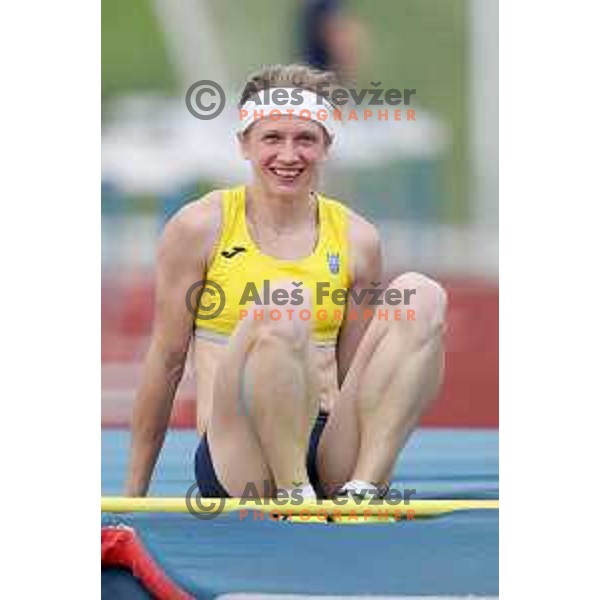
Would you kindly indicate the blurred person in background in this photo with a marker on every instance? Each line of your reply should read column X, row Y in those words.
column 331, row 39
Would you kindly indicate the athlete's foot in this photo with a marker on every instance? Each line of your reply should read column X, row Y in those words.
column 361, row 489
column 306, row 492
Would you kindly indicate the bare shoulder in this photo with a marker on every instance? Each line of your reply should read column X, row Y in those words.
column 363, row 232
column 194, row 229
column 365, row 244
column 197, row 218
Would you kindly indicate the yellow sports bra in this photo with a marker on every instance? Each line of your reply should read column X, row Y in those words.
column 240, row 273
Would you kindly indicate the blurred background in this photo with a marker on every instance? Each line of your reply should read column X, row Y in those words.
column 430, row 184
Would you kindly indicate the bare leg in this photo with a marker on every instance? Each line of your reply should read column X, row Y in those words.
column 396, row 372
column 264, row 405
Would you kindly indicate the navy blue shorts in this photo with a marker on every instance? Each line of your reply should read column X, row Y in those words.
column 209, row 485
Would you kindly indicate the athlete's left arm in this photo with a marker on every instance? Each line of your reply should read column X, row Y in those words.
column 366, row 273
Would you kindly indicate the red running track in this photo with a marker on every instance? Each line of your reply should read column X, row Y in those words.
column 469, row 397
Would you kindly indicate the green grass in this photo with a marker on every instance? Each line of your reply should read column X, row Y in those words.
column 422, row 44
column 418, row 44
column 134, row 58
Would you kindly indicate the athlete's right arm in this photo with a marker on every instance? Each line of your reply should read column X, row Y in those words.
column 182, row 257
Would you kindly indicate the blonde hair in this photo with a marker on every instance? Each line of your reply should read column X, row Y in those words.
column 291, row 76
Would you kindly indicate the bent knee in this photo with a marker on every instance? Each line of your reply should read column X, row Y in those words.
column 424, row 296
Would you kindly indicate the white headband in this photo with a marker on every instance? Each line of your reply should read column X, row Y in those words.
column 294, row 102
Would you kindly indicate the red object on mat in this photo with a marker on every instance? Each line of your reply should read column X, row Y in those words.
column 122, row 548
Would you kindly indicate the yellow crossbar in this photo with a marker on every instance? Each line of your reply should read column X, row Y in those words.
column 345, row 506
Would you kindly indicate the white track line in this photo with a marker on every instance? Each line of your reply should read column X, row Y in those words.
column 244, row 596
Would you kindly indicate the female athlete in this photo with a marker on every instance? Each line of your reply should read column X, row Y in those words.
column 296, row 390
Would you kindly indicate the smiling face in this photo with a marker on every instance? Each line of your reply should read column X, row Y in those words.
column 285, row 153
